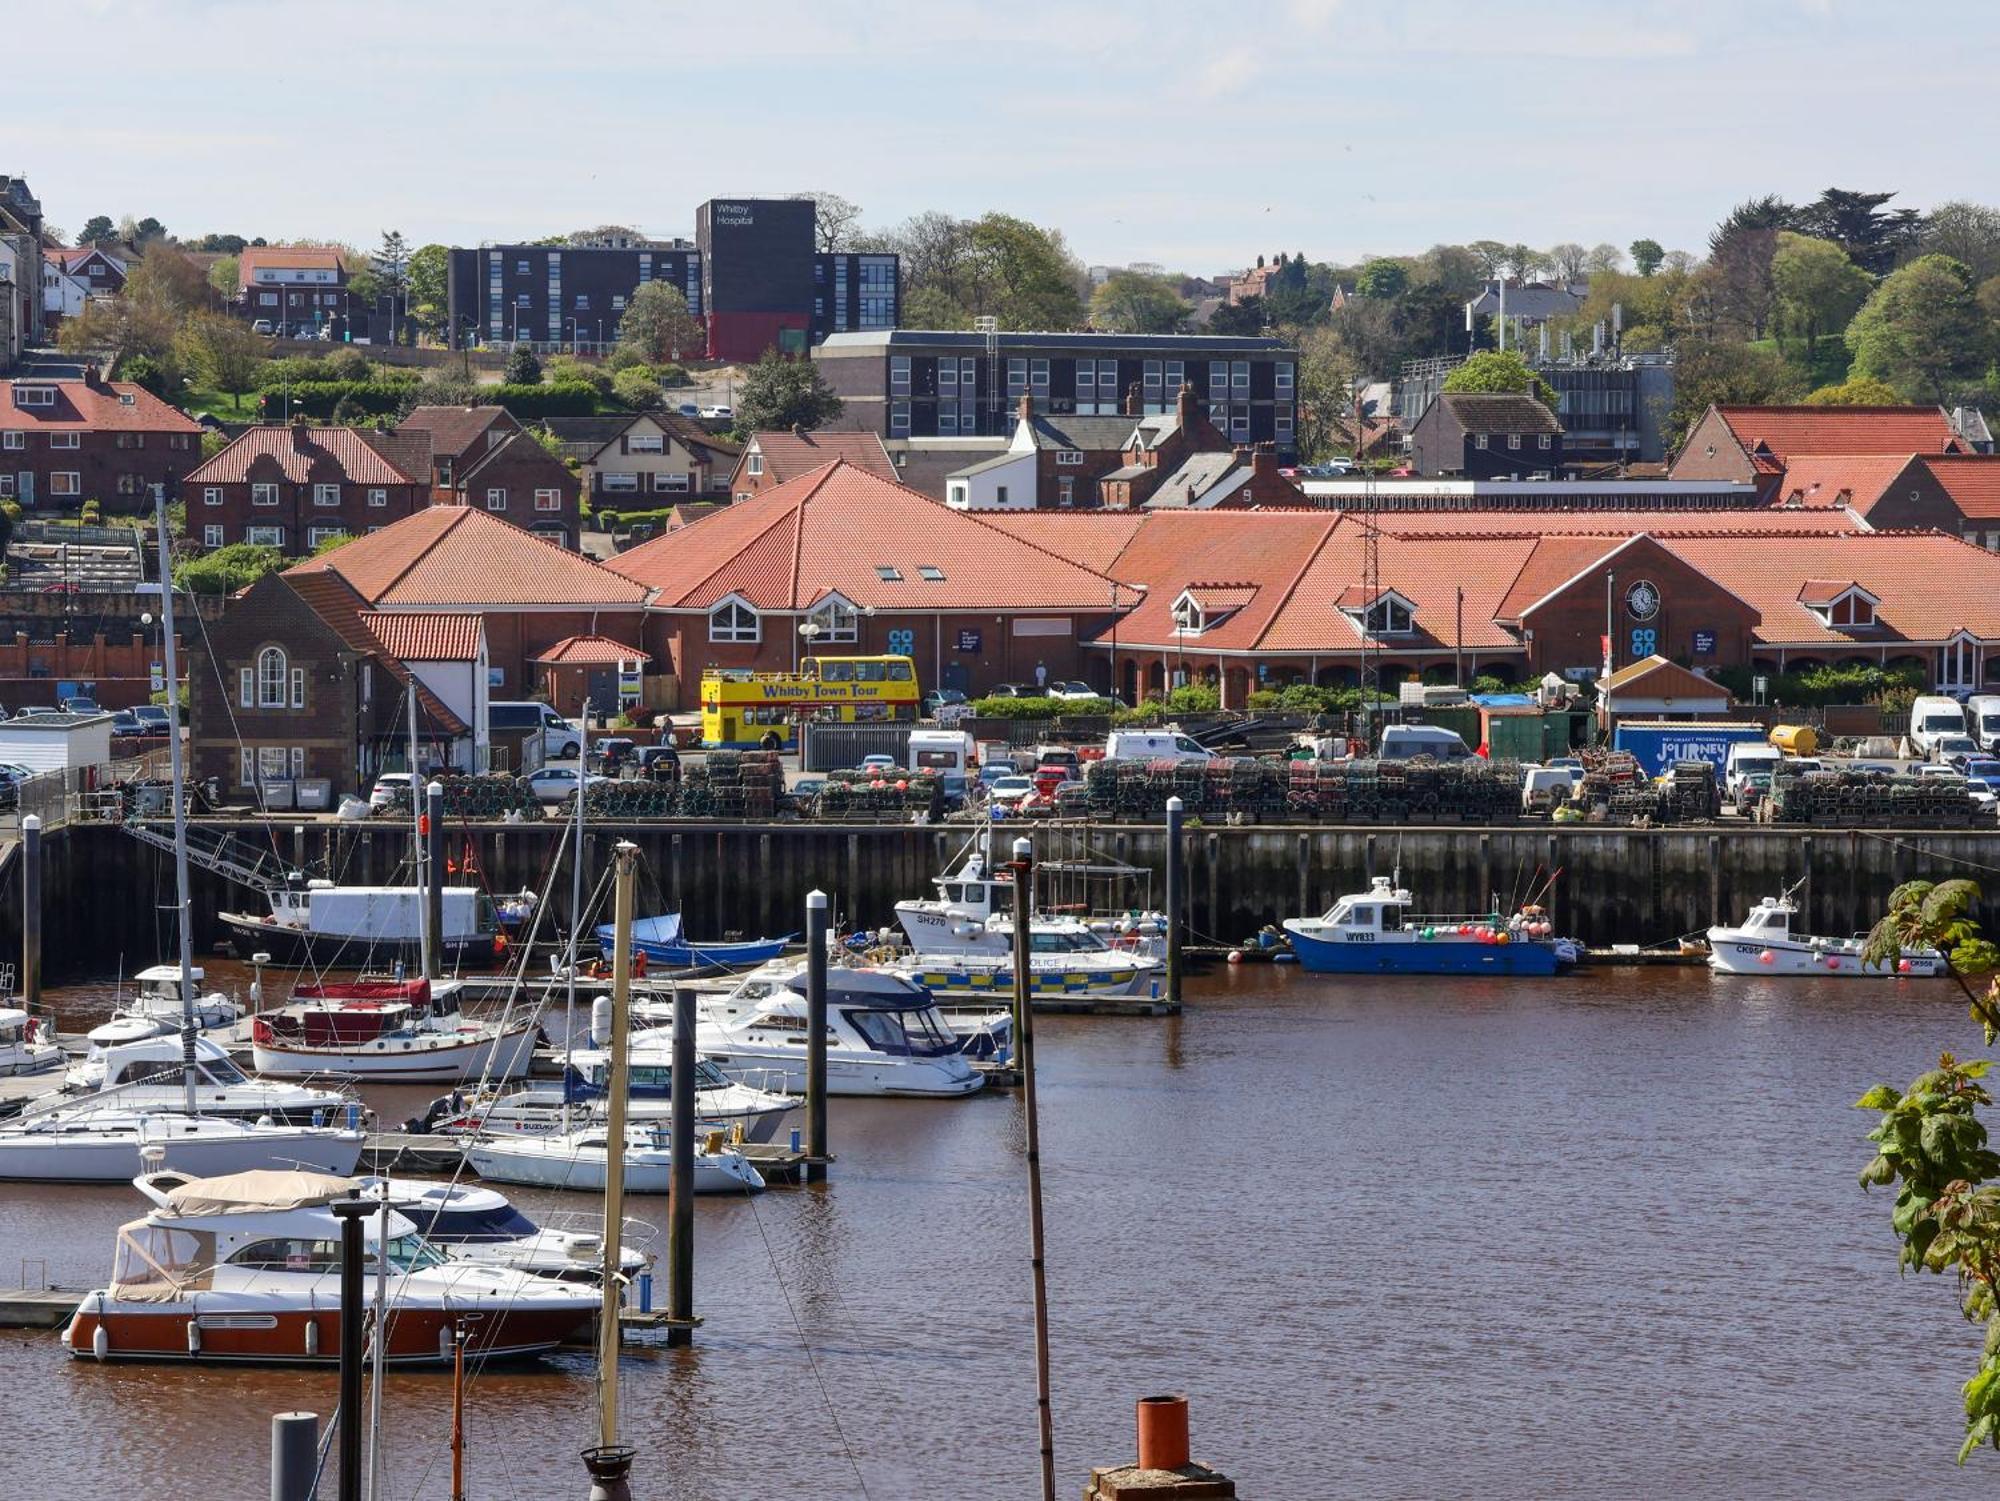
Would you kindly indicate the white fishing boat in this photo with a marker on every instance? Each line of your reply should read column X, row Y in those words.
column 148, row 1075
column 973, row 913
column 112, row 1146
column 579, row 1099
column 408, row 1031
column 319, row 923
column 479, row 1225
column 1764, row 944
column 24, row 1048
column 156, row 1010
column 245, row 1268
column 577, row 1159
column 884, row 1037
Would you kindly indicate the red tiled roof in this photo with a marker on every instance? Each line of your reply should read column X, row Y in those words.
column 303, row 455
column 1427, row 572
column 1929, row 584
column 1214, row 599
column 284, row 257
column 572, row 650
column 1529, row 521
column 1791, row 431
column 454, row 430
column 1092, row 538
column 1971, row 480
column 1823, row 592
column 435, row 636
column 1172, row 550
column 1857, row 480
column 109, row 406
column 461, row 557
column 1551, row 563
column 841, row 528
column 789, row 455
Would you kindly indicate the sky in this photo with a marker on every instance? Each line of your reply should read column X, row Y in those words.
column 1194, row 136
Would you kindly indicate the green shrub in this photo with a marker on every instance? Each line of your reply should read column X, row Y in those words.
column 565, row 370
column 93, row 513
column 570, row 399
column 11, row 509
column 638, row 387
column 228, row 569
column 1016, row 708
column 356, row 400
column 1818, row 686
column 523, row 369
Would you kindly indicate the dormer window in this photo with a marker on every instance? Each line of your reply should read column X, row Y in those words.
column 734, row 621
column 1384, row 613
column 1839, row 604
column 1188, row 619
column 1389, row 616
column 34, row 396
column 837, row 620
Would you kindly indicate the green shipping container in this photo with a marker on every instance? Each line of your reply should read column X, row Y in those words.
column 1526, row 735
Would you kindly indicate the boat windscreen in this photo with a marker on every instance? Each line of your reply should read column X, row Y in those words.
column 914, row 1032
column 501, row 1222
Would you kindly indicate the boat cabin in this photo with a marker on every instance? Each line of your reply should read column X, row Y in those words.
column 1771, row 918
column 157, row 1060
column 1379, row 909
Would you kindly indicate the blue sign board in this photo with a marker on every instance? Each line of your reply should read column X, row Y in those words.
column 1704, row 643
column 970, row 640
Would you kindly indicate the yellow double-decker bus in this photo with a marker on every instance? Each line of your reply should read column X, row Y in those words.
column 739, row 708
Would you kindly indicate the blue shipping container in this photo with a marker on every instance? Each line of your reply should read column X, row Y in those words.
column 1658, row 743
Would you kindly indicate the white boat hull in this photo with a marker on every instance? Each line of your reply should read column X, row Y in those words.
column 58, row 1157
column 1732, row 951
column 425, row 1058
column 538, row 1162
column 928, row 1078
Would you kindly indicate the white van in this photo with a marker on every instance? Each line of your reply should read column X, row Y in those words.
column 1403, row 742
column 510, row 723
column 1982, row 720
column 1746, row 756
column 1931, row 716
column 940, row 751
column 1153, row 745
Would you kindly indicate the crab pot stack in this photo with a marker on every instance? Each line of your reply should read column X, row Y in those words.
column 862, row 794
column 1878, row 799
column 490, row 796
column 1362, row 791
column 1690, row 794
column 624, row 801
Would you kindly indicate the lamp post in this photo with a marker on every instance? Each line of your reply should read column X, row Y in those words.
column 810, row 632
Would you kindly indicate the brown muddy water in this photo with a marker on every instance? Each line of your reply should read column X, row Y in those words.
column 1593, row 1236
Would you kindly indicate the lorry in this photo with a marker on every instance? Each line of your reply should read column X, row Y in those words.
column 1658, row 743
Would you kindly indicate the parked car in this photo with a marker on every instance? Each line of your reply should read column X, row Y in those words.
column 127, row 724
column 939, row 699
column 613, row 754
column 957, row 789
column 718, row 412
column 388, row 787
column 993, row 770
column 689, row 409
column 807, row 788
column 879, row 762
column 158, row 719
column 263, row 326
column 1012, row 690
column 80, row 704
column 554, row 783
column 1009, row 791
column 1071, row 690
column 1954, row 750
column 660, row 762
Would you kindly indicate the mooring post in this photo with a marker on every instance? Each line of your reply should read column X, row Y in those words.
column 1176, row 899
column 434, row 880
column 350, row 1213
column 817, row 911
column 294, row 1455
column 1024, row 1036
column 680, row 1205
column 31, row 912
column 1715, row 880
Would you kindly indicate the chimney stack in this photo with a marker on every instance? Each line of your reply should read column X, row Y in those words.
column 1026, row 407
column 1133, row 405
column 798, row 429
column 1184, row 406
column 1264, row 460
column 91, row 377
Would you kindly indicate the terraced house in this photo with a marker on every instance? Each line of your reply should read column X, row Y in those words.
column 63, row 442
column 293, row 488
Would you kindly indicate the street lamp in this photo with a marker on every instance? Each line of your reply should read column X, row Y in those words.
column 811, row 632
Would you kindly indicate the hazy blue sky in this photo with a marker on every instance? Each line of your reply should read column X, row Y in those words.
column 1196, row 136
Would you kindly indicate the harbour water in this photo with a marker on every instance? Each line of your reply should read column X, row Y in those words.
column 1583, row 1237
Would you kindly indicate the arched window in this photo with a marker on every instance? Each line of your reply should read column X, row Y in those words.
column 837, row 621
column 271, row 678
column 733, row 620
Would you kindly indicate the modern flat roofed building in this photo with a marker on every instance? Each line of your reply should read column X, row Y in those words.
column 923, row 383
column 559, row 295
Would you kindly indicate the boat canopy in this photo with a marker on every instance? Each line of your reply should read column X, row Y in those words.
column 258, row 1191
column 415, row 993
column 164, row 1263
column 663, row 929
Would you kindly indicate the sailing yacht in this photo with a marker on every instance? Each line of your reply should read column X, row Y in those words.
column 581, row 1159
column 147, row 1075
column 579, row 1098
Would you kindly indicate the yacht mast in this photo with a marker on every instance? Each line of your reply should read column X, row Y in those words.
column 183, row 908
column 614, row 1147
column 417, row 832
column 575, row 909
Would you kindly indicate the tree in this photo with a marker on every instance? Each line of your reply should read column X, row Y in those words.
column 1739, row 275
column 1922, row 331
column 1429, row 321
column 1856, row 223
column 1131, row 303
column 222, row 276
column 777, row 394
column 1327, row 375
column 1647, row 255
column 1568, row 258
column 1856, row 391
column 97, row 230
column 1767, row 213
column 1721, row 371
column 1491, row 255
column 222, row 352
column 1603, row 258
column 1492, row 370
column 223, row 244
column 1930, row 1143
column 1383, row 278
column 835, row 221
column 523, row 369
column 427, row 279
column 1024, row 275
column 658, row 326
column 1244, row 319
column 1967, row 232
column 1455, row 268
column 228, row 569
column 934, row 307
column 391, row 265
column 638, row 388
column 168, row 280
column 1818, row 288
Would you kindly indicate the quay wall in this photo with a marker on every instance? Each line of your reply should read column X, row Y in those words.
column 108, row 898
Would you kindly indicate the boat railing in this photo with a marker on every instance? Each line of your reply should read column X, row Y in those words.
column 763, row 1080
column 108, row 1097
column 583, row 1222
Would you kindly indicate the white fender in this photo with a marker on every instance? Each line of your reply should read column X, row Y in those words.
column 194, row 1336
column 444, row 1342
column 100, row 1342
column 312, row 1336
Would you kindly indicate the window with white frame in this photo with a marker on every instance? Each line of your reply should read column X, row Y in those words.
column 754, row 465
column 947, row 419
column 1388, row 616
column 618, row 483
column 548, row 500
column 211, row 536
column 6, row 484
column 14, row 438
column 271, row 763
column 246, row 765
column 947, row 378
column 496, row 500
column 1065, row 489
column 211, row 495
column 647, row 443
column 265, row 536
column 1547, row 441
column 263, row 495
column 1479, row 440
column 1068, row 456
column 267, row 299
column 1239, row 420
column 1239, row 377
column 1038, row 378
column 1282, row 422
column 838, row 621
column 67, row 440
column 899, row 375
column 677, row 484
column 315, row 535
column 1281, row 381
column 271, row 677
column 34, row 396
column 379, row 499
column 326, row 495
column 899, row 419
column 734, row 621
column 1513, row 440
column 1218, row 379
column 65, row 482
column 1187, row 616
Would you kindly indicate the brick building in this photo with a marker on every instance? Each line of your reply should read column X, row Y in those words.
column 1757, row 443
column 656, row 459
column 299, row 290
column 1479, row 436
column 521, row 482
column 874, row 567
column 63, row 442
column 295, row 487
column 1157, row 446
column 772, row 459
column 457, row 436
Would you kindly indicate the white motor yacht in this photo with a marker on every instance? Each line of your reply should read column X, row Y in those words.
column 114, row 1146
column 578, row 1159
column 156, row 1010
column 245, row 1268
column 578, row 1099
column 469, row 1223
column 973, row 913
column 146, row 1076
column 23, row 1049
column 884, row 1037
column 1764, row 944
